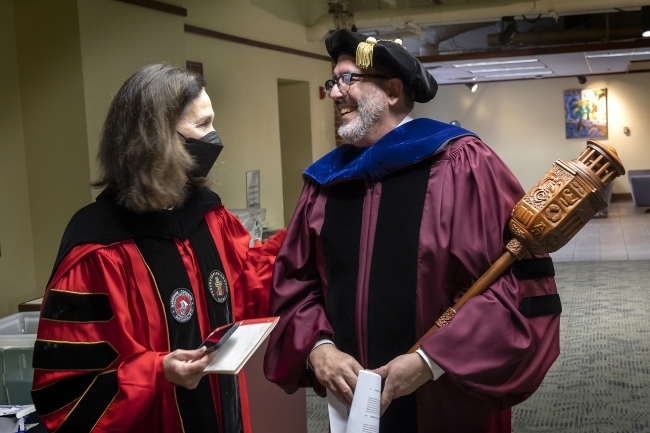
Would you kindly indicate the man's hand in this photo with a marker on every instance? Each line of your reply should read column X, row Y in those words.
column 186, row 374
column 403, row 375
column 336, row 370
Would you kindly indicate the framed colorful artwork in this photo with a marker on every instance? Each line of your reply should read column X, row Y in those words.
column 585, row 113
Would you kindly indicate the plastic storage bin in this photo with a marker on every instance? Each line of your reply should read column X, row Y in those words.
column 18, row 374
column 17, row 337
column 19, row 324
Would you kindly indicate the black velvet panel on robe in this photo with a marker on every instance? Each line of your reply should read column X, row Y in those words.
column 393, row 281
column 166, row 264
column 341, row 237
column 393, row 273
column 219, row 313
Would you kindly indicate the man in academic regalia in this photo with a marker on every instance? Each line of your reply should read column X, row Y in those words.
column 145, row 273
column 389, row 231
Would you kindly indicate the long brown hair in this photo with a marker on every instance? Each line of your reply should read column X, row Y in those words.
column 140, row 154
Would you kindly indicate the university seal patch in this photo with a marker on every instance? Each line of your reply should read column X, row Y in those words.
column 182, row 305
column 218, row 286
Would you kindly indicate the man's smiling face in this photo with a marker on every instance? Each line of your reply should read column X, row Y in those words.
column 346, row 103
column 363, row 103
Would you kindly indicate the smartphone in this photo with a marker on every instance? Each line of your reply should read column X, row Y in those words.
column 219, row 336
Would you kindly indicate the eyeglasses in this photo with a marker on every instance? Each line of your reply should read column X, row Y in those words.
column 344, row 81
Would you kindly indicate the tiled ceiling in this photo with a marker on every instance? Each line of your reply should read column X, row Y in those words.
column 509, row 67
column 589, row 43
column 458, row 40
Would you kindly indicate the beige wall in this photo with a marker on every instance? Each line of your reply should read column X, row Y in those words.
column 17, row 278
column 295, row 141
column 523, row 121
column 54, row 126
column 117, row 39
column 241, row 18
column 242, row 83
column 62, row 62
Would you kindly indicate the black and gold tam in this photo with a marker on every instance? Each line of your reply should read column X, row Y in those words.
column 386, row 54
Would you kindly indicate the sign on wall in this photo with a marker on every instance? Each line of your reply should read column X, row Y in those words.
column 585, row 113
column 253, row 189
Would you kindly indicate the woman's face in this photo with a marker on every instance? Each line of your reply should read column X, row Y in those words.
column 197, row 118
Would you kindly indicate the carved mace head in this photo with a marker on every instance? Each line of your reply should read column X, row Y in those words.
column 566, row 198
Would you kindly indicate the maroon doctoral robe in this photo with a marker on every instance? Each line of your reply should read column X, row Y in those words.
column 381, row 244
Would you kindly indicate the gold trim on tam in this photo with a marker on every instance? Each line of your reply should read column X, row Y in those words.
column 365, row 51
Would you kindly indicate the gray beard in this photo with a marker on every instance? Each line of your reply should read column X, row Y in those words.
column 369, row 109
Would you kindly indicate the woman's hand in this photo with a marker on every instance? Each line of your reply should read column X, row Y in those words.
column 180, row 371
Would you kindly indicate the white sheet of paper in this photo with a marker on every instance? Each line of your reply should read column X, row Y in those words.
column 338, row 413
column 366, row 404
column 363, row 416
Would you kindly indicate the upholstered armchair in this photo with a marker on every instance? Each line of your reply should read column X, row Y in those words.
column 640, row 187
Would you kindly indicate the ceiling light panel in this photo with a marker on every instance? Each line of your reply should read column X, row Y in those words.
column 502, row 62
column 483, row 71
column 634, row 53
column 519, row 74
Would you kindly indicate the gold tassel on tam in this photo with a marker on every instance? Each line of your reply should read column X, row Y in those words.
column 364, row 53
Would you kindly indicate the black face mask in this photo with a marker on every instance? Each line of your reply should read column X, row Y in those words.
column 205, row 151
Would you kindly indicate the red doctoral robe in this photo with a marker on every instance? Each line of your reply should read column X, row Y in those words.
column 106, row 322
column 382, row 242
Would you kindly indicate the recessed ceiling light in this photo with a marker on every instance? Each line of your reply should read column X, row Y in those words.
column 519, row 74
column 502, row 62
column 633, row 53
column 482, row 71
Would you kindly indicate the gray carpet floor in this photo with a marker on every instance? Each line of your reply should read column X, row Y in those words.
column 601, row 381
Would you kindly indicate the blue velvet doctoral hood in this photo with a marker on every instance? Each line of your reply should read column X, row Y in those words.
column 408, row 143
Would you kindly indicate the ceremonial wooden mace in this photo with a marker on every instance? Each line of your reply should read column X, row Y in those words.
column 550, row 214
